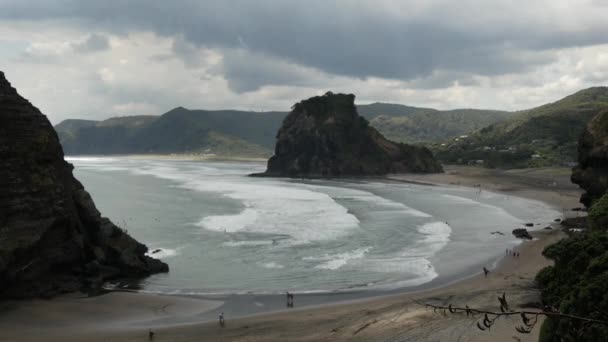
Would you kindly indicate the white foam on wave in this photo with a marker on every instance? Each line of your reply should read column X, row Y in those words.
column 375, row 201
column 90, row 159
column 230, row 223
column 247, row 243
column 530, row 210
column 304, row 212
column 473, row 203
column 436, row 236
column 273, row 208
column 336, row 261
column 164, row 253
column 414, row 262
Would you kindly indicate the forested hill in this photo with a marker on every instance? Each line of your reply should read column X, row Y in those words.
column 541, row 136
column 244, row 133
column 424, row 125
column 224, row 132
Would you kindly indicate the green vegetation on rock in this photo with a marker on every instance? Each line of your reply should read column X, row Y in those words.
column 598, row 215
column 576, row 284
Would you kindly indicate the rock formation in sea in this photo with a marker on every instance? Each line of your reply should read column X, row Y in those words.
column 324, row 136
column 522, row 233
column 52, row 237
column 591, row 173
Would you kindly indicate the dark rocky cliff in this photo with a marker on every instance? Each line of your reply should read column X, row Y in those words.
column 591, row 173
column 52, row 238
column 325, row 137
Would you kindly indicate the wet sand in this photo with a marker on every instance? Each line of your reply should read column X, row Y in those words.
column 399, row 317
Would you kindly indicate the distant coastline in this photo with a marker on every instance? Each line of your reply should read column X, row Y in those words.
column 175, row 156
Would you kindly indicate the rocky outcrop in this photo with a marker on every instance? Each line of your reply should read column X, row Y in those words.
column 52, row 238
column 324, row 136
column 591, row 173
column 522, row 233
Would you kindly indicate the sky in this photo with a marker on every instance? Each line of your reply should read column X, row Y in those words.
column 98, row 59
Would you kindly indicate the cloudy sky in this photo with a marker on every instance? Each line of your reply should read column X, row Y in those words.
column 97, row 59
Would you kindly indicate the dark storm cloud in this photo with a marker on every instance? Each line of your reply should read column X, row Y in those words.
column 348, row 38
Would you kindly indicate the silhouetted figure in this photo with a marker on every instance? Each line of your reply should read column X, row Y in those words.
column 507, row 251
column 485, row 272
column 222, row 321
column 518, row 254
column 150, row 335
column 289, row 300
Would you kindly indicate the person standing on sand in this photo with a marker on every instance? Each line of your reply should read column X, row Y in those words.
column 485, row 272
column 289, row 300
column 222, row 321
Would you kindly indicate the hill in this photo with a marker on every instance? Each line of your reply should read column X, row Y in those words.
column 424, row 125
column 324, row 136
column 541, row 136
column 231, row 133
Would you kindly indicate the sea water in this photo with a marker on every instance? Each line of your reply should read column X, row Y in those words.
column 222, row 232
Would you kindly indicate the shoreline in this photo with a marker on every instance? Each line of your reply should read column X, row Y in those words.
column 379, row 317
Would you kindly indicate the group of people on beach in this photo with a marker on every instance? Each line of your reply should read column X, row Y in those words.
column 508, row 252
column 512, row 253
column 222, row 320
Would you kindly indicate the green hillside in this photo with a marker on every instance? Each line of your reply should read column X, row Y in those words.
column 251, row 133
column 69, row 127
column 425, row 125
column 541, row 136
column 227, row 133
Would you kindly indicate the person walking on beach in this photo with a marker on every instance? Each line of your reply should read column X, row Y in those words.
column 222, row 321
column 485, row 272
column 289, row 300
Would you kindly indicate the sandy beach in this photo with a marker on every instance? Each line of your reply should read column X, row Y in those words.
column 121, row 316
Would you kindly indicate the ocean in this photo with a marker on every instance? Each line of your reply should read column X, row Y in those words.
column 224, row 233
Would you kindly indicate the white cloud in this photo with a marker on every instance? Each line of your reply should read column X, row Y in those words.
column 139, row 69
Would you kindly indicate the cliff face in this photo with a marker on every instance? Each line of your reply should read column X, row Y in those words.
column 591, row 173
column 52, row 238
column 325, row 137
